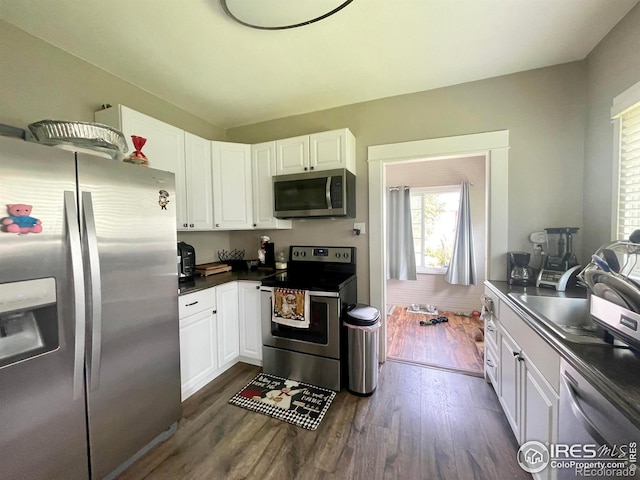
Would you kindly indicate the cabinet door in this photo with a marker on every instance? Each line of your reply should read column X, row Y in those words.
column 198, row 350
column 333, row 149
column 509, row 378
column 292, row 155
column 263, row 156
column 164, row 147
column 250, row 324
column 539, row 410
column 198, row 183
column 232, row 195
column 228, row 328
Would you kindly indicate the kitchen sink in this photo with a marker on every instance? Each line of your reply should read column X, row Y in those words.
column 568, row 317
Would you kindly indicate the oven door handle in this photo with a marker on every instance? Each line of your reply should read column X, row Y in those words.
column 312, row 293
column 580, row 414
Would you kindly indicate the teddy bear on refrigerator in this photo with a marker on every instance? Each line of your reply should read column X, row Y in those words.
column 20, row 221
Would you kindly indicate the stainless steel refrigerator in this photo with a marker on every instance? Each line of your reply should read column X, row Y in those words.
column 89, row 339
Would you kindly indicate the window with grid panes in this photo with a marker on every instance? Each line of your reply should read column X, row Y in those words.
column 434, row 213
column 626, row 116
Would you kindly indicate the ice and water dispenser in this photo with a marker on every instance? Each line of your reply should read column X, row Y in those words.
column 28, row 319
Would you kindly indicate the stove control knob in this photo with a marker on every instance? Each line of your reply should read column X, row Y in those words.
column 295, row 254
column 304, row 254
column 337, row 254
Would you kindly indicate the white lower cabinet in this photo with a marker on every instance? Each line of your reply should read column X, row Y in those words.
column 198, row 340
column 228, row 328
column 509, row 354
column 523, row 370
column 249, row 320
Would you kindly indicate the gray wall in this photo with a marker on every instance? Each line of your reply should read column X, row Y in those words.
column 543, row 109
column 40, row 81
column 612, row 67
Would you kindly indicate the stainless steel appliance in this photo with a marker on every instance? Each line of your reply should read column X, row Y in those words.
column 329, row 193
column 560, row 269
column 186, row 261
column 518, row 269
column 587, row 421
column 312, row 354
column 613, row 277
column 89, row 342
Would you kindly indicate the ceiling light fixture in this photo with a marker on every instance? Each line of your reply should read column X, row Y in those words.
column 280, row 14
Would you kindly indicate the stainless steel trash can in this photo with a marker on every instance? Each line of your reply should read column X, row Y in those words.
column 363, row 323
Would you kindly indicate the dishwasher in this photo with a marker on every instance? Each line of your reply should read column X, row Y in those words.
column 595, row 440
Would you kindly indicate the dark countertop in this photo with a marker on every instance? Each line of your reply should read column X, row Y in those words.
column 201, row 283
column 615, row 372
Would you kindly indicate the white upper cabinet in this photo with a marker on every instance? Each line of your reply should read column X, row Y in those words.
column 263, row 157
column 171, row 149
column 198, row 183
column 232, row 195
column 292, row 155
column 319, row 151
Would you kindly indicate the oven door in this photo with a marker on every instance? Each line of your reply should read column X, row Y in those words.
column 321, row 338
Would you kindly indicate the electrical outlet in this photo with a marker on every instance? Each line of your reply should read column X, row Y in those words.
column 361, row 227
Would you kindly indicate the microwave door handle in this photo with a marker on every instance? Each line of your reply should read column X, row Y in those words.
column 328, row 193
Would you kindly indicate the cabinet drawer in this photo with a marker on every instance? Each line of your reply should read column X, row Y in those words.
column 491, row 332
column 545, row 358
column 196, row 302
column 492, row 302
column 491, row 366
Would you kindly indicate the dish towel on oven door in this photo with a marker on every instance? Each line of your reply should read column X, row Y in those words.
column 291, row 307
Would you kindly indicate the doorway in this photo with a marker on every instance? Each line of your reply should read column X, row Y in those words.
column 430, row 321
column 493, row 146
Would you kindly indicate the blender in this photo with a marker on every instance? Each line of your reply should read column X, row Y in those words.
column 561, row 266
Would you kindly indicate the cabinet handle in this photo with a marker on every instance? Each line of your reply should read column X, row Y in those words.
column 518, row 356
column 305, row 169
column 255, row 225
column 184, row 225
column 490, row 363
column 214, row 311
column 311, row 168
column 191, row 225
column 490, row 328
column 217, row 224
column 190, row 304
column 257, row 287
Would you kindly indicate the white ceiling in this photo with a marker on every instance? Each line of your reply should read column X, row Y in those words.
column 192, row 55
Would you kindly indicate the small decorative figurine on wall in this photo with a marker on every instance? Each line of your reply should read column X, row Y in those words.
column 163, row 199
column 20, row 221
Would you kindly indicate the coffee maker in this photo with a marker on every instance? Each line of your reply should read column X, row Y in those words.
column 518, row 270
column 186, row 261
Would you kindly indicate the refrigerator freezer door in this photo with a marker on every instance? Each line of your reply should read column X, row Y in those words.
column 42, row 402
column 133, row 369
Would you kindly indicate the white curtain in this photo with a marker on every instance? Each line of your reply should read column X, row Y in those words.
column 462, row 268
column 401, row 258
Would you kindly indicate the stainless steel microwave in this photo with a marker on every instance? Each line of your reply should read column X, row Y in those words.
column 329, row 193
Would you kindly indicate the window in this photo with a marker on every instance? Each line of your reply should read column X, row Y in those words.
column 626, row 116
column 434, row 213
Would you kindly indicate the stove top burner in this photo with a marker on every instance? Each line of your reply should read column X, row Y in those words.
column 329, row 282
column 327, row 269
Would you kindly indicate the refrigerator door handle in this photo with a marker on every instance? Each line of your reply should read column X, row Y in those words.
column 73, row 230
column 91, row 238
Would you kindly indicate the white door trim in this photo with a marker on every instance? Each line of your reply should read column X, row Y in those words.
column 494, row 145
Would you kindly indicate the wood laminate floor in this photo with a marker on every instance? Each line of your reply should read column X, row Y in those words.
column 446, row 345
column 421, row 423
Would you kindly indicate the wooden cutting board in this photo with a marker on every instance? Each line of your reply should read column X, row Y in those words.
column 206, row 269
